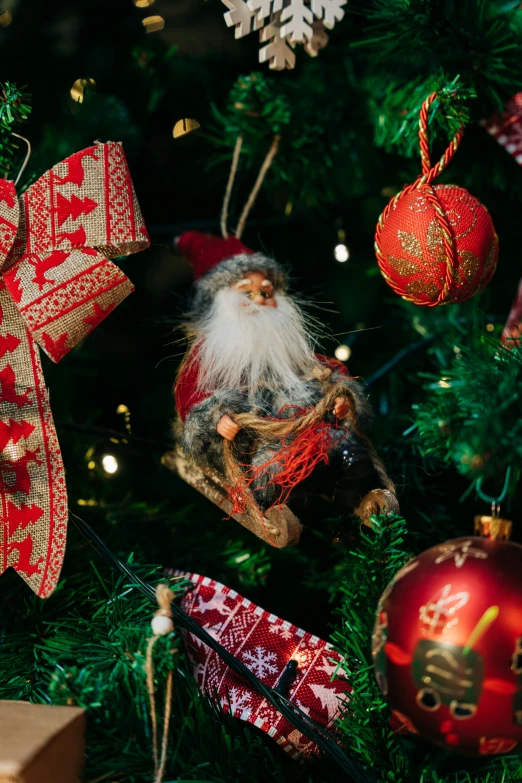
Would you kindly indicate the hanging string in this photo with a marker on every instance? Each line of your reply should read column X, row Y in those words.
column 488, row 498
column 162, row 625
column 269, row 158
column 230, row 185
column 272, row 152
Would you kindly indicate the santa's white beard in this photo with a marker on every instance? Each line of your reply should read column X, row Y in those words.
column 244, row 345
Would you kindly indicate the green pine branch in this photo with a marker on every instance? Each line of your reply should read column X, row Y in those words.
column 14, row 110
column 454, row 423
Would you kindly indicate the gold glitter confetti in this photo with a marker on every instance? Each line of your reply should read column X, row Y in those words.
column 182, row 127
column 143, row 3
column 153, row 23
column 80, row 88
column 410, row 244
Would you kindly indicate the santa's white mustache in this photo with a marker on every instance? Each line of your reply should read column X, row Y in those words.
column 245, row 345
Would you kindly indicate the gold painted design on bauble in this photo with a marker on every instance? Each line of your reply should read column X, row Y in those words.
column 410, row 244
column 403, row 266
column 469, row 265
column 427, row 287
column 435, row 243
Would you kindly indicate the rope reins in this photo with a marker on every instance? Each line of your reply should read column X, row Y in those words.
column 279, row 429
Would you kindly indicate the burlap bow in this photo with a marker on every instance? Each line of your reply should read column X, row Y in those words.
column 56, row 286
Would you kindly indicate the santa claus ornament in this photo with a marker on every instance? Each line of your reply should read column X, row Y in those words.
column 263, row 418
column 447, row 646
column 435, row 244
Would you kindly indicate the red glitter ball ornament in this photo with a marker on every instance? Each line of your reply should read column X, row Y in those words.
column 435, row 244
column 447, row 646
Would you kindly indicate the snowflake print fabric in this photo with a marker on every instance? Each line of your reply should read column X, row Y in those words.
column 57, row 285
column 265, row 643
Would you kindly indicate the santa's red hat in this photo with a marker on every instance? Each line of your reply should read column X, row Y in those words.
column 219, row 263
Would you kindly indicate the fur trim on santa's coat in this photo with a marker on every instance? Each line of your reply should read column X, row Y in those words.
column 203, row 444
column 228, row 272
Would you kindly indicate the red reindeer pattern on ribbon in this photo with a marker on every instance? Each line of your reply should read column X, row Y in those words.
column 57, row 285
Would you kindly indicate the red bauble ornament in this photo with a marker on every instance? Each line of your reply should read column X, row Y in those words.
column 435, row 244
column 447, row 646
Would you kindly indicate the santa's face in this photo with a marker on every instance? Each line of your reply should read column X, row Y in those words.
column 254, row 336
column 258, row 288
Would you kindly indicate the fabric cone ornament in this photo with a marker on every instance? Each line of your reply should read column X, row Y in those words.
column 280, row 654
column 57, row 285
column 435, row 244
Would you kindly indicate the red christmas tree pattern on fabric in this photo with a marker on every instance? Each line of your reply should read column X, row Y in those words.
column 56, row 285
column 265, row 643
column 506, row 127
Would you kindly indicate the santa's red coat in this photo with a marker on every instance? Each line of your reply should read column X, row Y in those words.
column 187, row 394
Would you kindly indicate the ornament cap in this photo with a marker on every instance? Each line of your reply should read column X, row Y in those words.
column 493, row 527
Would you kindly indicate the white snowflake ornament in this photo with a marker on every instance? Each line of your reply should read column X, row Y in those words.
column 241, row 18
column 330, row 11
column 282, row 24
column 297, row 21
column 278, row 51
column 263, row 8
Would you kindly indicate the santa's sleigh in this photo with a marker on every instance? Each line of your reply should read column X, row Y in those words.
column 278, row 525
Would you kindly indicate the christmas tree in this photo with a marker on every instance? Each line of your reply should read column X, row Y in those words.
column 169, row 80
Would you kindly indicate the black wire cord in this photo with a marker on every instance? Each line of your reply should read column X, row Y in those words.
column 299, row 719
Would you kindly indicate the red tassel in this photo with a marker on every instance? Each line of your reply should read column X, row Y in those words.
column 296, row 459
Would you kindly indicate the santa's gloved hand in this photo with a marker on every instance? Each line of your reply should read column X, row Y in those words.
column 227, row 427
column 341, row 407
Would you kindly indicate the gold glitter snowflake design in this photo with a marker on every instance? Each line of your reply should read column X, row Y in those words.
column 459, row 553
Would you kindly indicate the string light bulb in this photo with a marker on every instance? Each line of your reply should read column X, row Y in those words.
column 110, row 463
column 343, row 353
column 123, row 410
column 341, row 252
